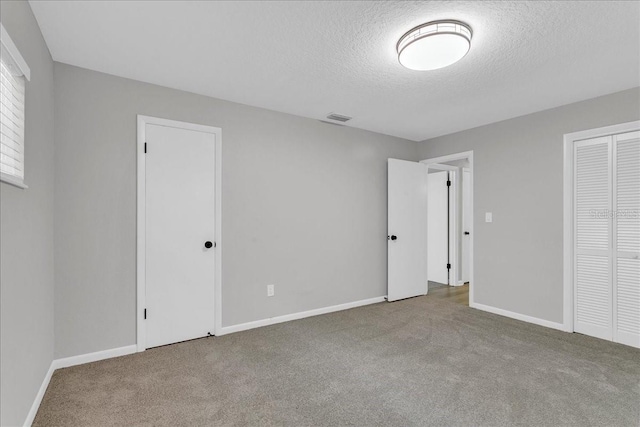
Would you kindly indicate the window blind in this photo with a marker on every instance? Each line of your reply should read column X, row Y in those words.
column 12, row 97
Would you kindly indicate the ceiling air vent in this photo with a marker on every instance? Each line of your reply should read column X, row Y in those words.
column 338, row 117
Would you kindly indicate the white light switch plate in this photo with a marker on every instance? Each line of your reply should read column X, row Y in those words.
column 488, row 217
column 271, row 291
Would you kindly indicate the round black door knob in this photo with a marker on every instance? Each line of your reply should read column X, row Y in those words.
column 393, row 237
column 208, row 245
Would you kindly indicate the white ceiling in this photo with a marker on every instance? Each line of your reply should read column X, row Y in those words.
column 311, row 58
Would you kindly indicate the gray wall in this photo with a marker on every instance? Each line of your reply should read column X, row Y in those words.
column 518, row 176
column 304, row 207
column 26, row 233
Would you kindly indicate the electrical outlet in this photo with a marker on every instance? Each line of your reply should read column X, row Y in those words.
column 271, row 290
column 488, row 217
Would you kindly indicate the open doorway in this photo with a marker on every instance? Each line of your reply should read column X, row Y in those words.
column 440, row 225
column 407, row 229
column 449, row 225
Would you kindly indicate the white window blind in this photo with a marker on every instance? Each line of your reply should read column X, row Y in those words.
column 13, row 74
column 11, row 123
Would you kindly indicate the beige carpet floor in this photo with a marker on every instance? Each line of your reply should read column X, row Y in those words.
column 422, row 361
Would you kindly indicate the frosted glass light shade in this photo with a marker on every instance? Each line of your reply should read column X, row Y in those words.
column 434, row 45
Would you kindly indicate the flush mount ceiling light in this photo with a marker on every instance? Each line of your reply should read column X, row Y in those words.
column 434, row 45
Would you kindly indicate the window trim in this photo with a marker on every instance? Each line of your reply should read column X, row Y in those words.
column 12, row 180
column 8, row 46
column 13, row 51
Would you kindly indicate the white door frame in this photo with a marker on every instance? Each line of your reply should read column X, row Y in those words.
column 468, row 155
column 568, row 223
column 464, row 208
column 438, row 167
column 141, row 285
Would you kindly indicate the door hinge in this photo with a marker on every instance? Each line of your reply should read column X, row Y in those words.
column 145, row 314
column 448, row 183
column 145, row 148
column 448, row 266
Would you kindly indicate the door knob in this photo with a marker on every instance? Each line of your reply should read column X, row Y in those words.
column 392, row 237
column 208, row 244
column 466, row 233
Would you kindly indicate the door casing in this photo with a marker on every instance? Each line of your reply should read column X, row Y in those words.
column 141, row 222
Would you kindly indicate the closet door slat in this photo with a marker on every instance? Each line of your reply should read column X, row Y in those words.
column 627, row 232
column 592, row 201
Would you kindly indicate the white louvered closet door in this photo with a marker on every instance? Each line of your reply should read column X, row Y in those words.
column 626, row 222
column 593, row 290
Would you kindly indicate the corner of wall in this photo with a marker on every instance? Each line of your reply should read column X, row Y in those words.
column 26, row 226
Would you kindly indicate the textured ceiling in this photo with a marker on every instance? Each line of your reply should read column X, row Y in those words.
column 312, row 58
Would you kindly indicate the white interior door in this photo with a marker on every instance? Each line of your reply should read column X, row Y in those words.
column 627, row 239
column 438, row 232
column 466, row 223
column 180, row 220
column 407, row 229
column 593, row 288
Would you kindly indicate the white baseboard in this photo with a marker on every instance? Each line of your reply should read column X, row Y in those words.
column 130, row 349
column 73, row 361
column 295, row 316
column 36, row 402
column 94, row 357
column 518, row 316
